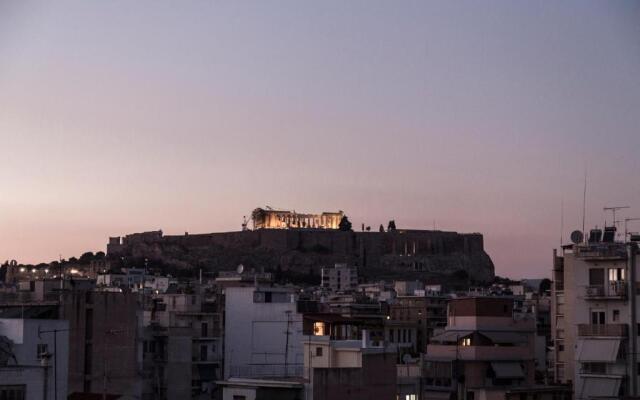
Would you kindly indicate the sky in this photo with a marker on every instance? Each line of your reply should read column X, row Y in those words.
column 119, row 117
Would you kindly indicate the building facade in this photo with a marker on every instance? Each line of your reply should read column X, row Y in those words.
column 262, row 333
column 484, row 348
column 340, row 278
column 33, row 359
column 595, row 318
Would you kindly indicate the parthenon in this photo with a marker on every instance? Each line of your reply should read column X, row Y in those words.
column 283, row 219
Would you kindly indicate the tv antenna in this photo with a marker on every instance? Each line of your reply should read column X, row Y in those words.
column 613, row 210
column 627, row 220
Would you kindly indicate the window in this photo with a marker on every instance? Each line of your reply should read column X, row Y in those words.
column 594, row 368
column 596, row 276
column 616, row 315
column 391, row 335
column 205, row 330
column 318, row 351
column 88, row 324
column 598, row 317
column 239, row 397
column 203, row 353
column 41, row 350
column 12, row 392
column 318, row 329
column 616, row 274
column 466, row 342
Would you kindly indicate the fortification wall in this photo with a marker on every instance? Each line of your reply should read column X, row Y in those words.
column 376, row 253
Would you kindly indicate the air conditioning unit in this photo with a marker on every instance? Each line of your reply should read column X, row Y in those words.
column 593, row 291
column 258, row 297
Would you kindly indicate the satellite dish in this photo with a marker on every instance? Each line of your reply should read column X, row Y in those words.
column 577, row 237
column 240, row 269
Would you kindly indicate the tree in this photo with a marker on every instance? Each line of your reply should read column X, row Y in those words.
column 545, row 285
column 345, row 224
column 368, row 229
column 86, row 258
column 381, row 228
column 100, row 255
column 392, row 225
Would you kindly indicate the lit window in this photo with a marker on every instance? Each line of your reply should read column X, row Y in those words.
column 318, row 329
column 466, row 342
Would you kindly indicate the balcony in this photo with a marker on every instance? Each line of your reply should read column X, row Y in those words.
column 615, row 290
column 480, row 353
column 611, row 330
column 601, row 251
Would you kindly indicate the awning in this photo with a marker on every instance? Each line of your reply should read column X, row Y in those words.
column 507, row 369
column 600, row 387
column 603, row 350
column 433, row 395
column 451, row 336
column 504, row 337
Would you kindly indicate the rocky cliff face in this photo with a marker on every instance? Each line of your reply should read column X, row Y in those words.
column 401, row 254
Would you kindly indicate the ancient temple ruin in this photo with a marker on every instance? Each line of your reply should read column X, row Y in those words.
column 283, row 219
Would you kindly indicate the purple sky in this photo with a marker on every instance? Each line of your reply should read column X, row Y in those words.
column 117, row 117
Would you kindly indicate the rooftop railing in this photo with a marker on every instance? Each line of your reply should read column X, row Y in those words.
column 614, row 289
column 614, row 330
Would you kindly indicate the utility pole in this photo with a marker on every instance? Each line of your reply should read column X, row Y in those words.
column 286, row 345
column 55, row 356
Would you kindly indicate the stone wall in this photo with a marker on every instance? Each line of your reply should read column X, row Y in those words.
column 394, row 254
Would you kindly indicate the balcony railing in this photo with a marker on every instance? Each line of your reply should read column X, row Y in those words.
column 613, row 290
column 614, row 330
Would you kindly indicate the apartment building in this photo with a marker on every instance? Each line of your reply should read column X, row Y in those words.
column 263, row 332
column 105, row 328
column 34, row 355
column 484, row 348
column 595, row 317
column 348, row 369
column 413, row 320
column 182, row 348
column 340, row 278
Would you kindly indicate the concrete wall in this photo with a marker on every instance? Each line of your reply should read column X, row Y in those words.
column 255, row 334
column 29, row 370
column 104, row 332
column 375, row 380
column 178, row 372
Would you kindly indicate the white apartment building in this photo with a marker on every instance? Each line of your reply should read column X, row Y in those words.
column 34, row 359
column 262, row 333
column 340, row 278
column 595, row 317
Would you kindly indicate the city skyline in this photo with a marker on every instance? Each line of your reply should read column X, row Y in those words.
column 125, row 117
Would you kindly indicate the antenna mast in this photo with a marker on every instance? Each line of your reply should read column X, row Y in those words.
column 561, row 220
column 584, row 199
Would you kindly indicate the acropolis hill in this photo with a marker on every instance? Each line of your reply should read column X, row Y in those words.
column 392, row 254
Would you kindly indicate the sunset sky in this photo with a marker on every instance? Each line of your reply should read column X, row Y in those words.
column 119, row 117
